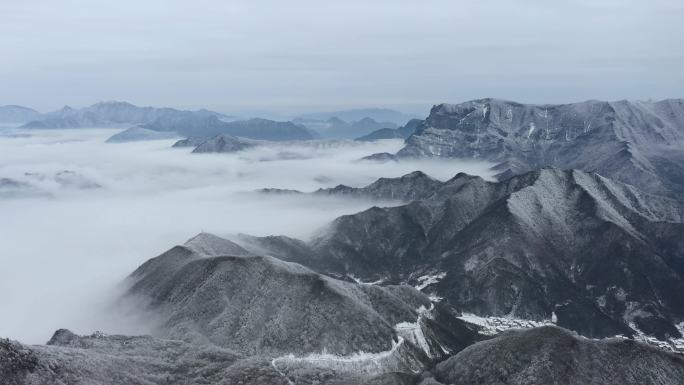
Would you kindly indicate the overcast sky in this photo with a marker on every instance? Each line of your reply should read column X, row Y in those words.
column 297, row 56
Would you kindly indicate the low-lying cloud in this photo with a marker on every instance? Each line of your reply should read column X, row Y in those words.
column 65, row 249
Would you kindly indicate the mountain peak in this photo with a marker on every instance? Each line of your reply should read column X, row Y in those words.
column 113, row 103
column 211, row 245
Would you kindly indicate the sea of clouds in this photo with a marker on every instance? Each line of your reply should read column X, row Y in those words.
column 67, row 239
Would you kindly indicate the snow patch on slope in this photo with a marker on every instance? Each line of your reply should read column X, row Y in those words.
column 675, row 345
column 495, row 325
column 398, row 359
column 427, row 280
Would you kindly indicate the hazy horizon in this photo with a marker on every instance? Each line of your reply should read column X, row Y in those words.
column 305, row 56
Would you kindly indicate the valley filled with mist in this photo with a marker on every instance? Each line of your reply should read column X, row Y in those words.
column 68, row 245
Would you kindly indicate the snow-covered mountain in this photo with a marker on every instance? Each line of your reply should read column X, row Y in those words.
column 641, row 143
column 602, row 257
column 226, row 315
column 211, row 290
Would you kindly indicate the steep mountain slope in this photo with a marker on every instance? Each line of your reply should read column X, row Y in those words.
column 603, row 257
column 213, row 291
column 641, row 143
column 17, row 114
column 551, row 355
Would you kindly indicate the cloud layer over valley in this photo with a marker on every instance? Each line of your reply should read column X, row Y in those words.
column 69, row 237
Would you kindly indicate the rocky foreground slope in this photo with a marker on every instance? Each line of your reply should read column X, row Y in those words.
column 547, row 355
column 641, row 143
column 602, row 257
column 224, row 315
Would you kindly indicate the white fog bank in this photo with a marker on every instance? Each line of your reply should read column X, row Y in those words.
column 65, row 246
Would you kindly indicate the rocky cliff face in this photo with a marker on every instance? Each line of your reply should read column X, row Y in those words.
column 634, row 142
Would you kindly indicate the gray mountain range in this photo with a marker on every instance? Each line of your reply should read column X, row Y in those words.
column 355, row 115
column 640, row 143
column 110, row 114
column 224, row 315
column 201, row 128
column 146, row 123
column 540, row 245
column 337, row 128
column 550, row 355
column 407, row 293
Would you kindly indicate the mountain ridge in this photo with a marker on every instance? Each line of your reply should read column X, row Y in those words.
column 553, row 235
column 634, row 142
